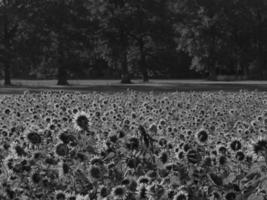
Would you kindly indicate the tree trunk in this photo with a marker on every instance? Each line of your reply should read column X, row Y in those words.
column 212, row 58
column 7, row 74
column 212, row 69
column 143, row 65
column 125, row 78
column 7, row 58
column 246, row 71
column 212, row 73
column 260, row 56
column 62, row 76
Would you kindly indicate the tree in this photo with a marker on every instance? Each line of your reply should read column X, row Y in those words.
column 12, row 17
column 201, row 33
column 64, row 27
column 150, row 31
column 222, row 36
column 112, row 34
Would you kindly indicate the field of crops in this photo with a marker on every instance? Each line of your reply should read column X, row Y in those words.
column 127, row 146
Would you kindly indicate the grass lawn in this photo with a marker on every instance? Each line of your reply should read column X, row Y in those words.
column 153, row 85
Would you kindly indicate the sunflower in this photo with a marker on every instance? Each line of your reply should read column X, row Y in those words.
column 235, row 144
column 240, row 156
column 164, row 156
column 181, row 195
column 126, row 181
column 162, row 141
column 102, row 192
column 95, row 172
column 132, row 186
column 96, row 161
column 221, row 149
column 180, row 155
column 202, row 136
column 230, row 196
column 119, row 192
column 143, row 180
column 260, row 146
column 36, row 177
column 156, row 191
column 60, row 195
column 62, row 149
column 142, row 191
column 216, row 195
column 81, row 121
column 193, row 156
column 133, row 143
column 34, row 138
column 222, row 160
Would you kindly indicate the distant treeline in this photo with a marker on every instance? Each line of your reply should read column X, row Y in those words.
column 127, row 39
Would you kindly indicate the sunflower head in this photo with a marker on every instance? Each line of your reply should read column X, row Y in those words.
column 144, row 180
column 235, row 145
column 260, row 146
column 202, row 136
column 62, row 149
column 103, row 192
column 230, row 196
column 81, row 121
column 164, row 157
column 181, row 195
column 60, row 196
column 193, row 156
column 240, row 156
column 34, row 138
column 142, row 191
column 95, row 172
column 119, row 192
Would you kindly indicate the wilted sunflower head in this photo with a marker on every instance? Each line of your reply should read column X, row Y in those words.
column 81, row 121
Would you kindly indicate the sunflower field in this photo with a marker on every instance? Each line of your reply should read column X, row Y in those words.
column 58, row 145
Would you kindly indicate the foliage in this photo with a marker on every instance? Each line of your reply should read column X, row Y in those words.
column 133, row 38
column 222, row 37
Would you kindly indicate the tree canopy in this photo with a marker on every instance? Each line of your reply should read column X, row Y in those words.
column 126, row 39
